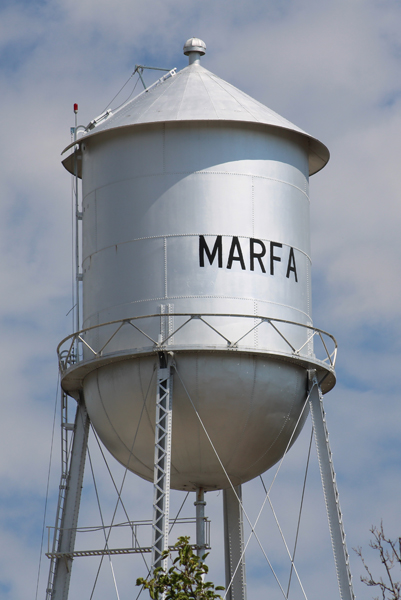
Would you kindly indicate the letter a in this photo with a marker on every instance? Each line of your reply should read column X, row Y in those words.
column 291, row 265
column 235, row 245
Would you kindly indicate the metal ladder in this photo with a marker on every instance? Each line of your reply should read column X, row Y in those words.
column 66, row 441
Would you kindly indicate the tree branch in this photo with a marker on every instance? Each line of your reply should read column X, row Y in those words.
column 389, row 557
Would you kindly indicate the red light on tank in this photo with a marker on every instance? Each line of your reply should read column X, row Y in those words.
column 75, row 108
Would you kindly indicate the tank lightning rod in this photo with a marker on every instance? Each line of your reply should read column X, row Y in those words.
column 78, row 218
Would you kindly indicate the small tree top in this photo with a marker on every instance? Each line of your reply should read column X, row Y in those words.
column 185, row 578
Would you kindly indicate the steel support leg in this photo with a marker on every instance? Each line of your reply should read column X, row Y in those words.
column 330, row 490
column 200, row 522
column 234, row 545
column 162, row 462
column 70, row 510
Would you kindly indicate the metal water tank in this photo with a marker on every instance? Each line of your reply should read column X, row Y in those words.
column 196, row 242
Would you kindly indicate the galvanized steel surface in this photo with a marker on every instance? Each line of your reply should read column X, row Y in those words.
column 196, row 94
column 198, row 209
column 129, row 337
column 195, row 46
column 155, row 205
column 248, row 405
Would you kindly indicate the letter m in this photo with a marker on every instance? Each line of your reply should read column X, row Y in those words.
column 217, row 249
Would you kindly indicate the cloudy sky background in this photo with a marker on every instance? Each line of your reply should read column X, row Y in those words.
column 333, row 69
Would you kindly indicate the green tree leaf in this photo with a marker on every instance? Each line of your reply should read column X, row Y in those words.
column 184, row 580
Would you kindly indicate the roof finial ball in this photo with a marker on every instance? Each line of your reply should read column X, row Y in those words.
column 194, row 48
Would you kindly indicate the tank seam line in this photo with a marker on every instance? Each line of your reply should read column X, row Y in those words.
column 148, row 109
column 217, row 80
column 115, row 431
column 253, row 207
column 177, row 235
column 182, row 100
column 298, row 310
column 282, row 122
column 244, row 174
column 165, row 266
column 208, row 94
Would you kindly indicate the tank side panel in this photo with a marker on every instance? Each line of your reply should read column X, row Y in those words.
column 150, row 229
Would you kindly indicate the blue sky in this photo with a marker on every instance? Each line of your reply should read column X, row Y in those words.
column 332, row 68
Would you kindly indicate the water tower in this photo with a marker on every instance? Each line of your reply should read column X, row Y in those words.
column 195, row 357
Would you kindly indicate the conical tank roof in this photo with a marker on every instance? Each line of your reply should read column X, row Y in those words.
column 196, row 94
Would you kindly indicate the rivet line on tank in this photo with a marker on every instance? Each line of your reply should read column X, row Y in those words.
column 225, row 173
column 165, row 267
column 256, row 330
column 209, row 297
column 177, row 235
column 253, row 207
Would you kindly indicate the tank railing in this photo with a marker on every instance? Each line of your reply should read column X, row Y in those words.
column 282, row 336
column 80, row 339
column 199, row 318
column 310, row 338
column 325, row 347
column 150, row 338
column 329, row 358
column 110, row 338
column 235, row 344
column 180, row 327
column 68, row 358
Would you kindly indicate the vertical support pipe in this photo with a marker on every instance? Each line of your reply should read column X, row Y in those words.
column 69, row 520
column 162, row 462
column 234, row 545
column 330, row 489
column 200, row 522
column 77, row 215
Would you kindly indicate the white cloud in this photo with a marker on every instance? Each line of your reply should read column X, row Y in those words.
column 333, row 69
